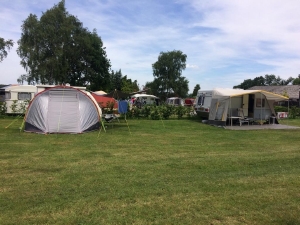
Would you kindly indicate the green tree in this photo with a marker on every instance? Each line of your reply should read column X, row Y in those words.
column 167, row 72
column 22, row 79
column 258, row 81
column 122, row 83
column 116, row 80
column 287, row 81
column 268, row 80
column 5, row 45
column 58, row 49
column 296, row 81
column 196, row 89
column 128, row 86
column 153, row 87
column 272, row 80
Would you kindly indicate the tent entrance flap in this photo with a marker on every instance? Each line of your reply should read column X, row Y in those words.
column 63, row 114
column 219, row 110
column 213, row 109
column 245, row 104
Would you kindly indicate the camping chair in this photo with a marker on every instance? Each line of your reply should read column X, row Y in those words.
column 109, row 118
column 242, row 118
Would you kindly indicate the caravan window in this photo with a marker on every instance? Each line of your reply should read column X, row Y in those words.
column 4, row 95
column 24, row 96
column 201, row 99
column 260, row 103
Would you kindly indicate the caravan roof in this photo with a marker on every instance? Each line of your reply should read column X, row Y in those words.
column 144, row 95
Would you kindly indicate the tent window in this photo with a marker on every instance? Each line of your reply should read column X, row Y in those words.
column 260, row 103
column 24, row 96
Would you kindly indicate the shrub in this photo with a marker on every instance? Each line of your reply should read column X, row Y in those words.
column 3, row 108
column 166, row 111
column 146, row 110
column 14, row 106
column 23, row 106
column 155, row 113
column 294, row 112
column 181, row 111
column 278, row 108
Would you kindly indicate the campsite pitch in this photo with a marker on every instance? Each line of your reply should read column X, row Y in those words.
column 163, row 172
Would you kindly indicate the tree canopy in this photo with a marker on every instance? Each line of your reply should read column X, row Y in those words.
column 296, row 81
column 5, row 45
column 196, row 89
column 267, row 80
column 57, row 49
column 122, row 83
column 167, row 72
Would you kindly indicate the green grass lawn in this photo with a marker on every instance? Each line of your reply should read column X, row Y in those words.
column 158, row 172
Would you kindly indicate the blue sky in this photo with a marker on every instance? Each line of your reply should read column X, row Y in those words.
column 226, row 41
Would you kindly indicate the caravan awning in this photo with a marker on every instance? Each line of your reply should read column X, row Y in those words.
column 229, row 93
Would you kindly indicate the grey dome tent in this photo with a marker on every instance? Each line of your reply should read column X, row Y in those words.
column 62, row 109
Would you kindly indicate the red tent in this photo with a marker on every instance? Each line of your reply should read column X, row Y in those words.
column 105, row 102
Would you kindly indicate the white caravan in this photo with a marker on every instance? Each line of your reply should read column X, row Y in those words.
column 18, row 96
column 144, row 99
column 202, row 103
column 175, row 101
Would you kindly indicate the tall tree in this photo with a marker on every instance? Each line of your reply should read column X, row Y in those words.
column 167, row 72
column 196, row 89
column 5, row 45
column 58, row 49
column 296, row 81
column 122, row 83
column 128, row 86
column 116, row 80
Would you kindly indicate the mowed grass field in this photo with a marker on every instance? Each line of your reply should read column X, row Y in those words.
column 152, row 172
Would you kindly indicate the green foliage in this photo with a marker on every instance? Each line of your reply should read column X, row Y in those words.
column 294, row 112
column 296, row 81
column 14, row 106
column 57, row 49
column 267, row 80
column 155, row 113
column 196, row 89
column 23, row 106
column 166, row 111
column 167, row 72
column 135, row 112
column 19, row 107
column 181, row 111
column 3, row 108
column 163, row 111
column 4, row 46
column 108, row 108
column 146, row 110
column 122, row 83
column 281, row 109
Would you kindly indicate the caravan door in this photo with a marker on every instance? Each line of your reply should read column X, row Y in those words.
column 245, row 105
